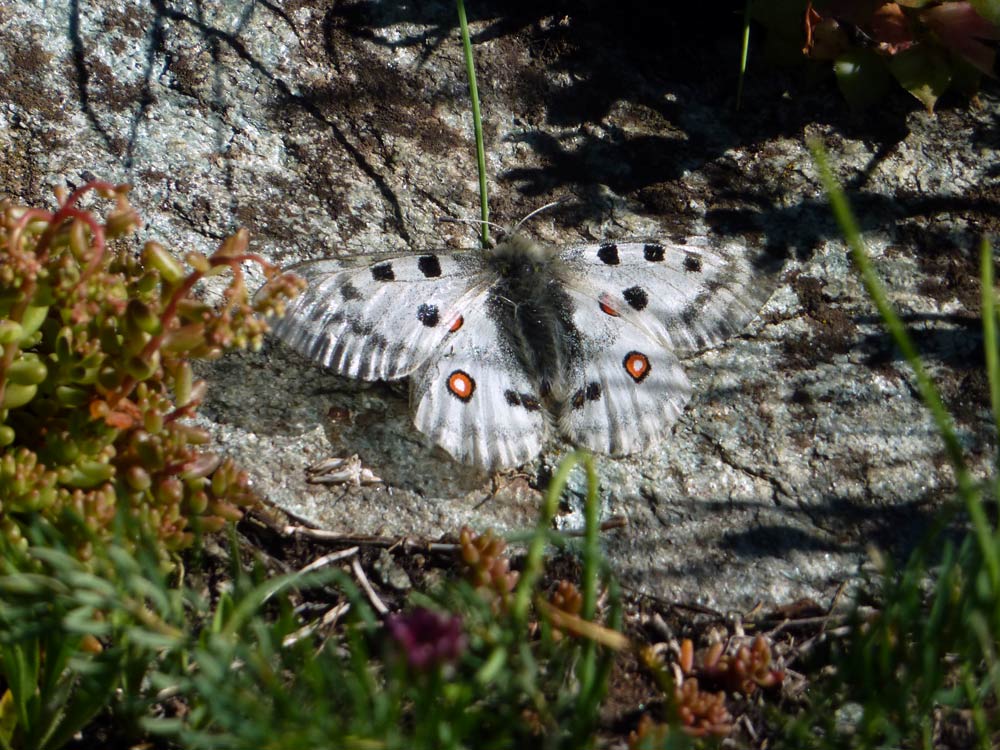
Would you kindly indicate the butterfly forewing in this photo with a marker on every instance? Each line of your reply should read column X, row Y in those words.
column 688, row 296
column 381, row 319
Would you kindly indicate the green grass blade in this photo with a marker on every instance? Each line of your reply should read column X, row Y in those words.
column 990, row 336
column 536, row 548
column 590, row 692
column 931, row 398
column 974, row 693
column 477, row 125
column 591, row 543
column 744, row 53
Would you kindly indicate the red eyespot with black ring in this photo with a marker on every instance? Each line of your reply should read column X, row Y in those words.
column 461, row 385
column 636, row 365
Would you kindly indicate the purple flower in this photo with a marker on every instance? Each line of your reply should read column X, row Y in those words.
column 427, row 639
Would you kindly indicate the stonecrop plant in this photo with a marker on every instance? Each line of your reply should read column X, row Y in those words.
column 96, row 383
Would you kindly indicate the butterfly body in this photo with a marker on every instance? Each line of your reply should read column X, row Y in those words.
column 532, row 312
column 505, row 346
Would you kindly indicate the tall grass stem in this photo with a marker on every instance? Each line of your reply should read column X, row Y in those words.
column 931, row 398
column 477, row 126
column 744, row 53
column 986, row 273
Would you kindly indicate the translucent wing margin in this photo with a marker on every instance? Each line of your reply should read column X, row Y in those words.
column 377, row 319
column 688, row 296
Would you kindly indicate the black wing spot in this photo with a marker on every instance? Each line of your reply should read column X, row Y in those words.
column 320, row 316
column 653, row 253
column 429, row 266
column 428, row 315
column 636, row 297
column 593, row 391
column 383, row 272
column 608, row 254
column 692, row 263
column 348, row 292
column 361, row 328
column 529, row 402
column 715, row 285
column 578, row 399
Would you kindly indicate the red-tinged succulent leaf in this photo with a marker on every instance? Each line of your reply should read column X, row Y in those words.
column 962, row 28
column 924, row 72
column 862, row 77
column 92, row 329
column 891, row 28
column 826, row 39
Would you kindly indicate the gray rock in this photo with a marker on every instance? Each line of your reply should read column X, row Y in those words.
column 346, row 128
column 391, row 573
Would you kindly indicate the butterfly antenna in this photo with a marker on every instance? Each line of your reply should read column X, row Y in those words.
column 480, row 222
column 537, row 211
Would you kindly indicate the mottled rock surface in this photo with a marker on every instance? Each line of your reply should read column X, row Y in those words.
column 345, row 127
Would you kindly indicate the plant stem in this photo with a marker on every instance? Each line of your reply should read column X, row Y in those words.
column 744, row 51
column 477, row 125
column 533, row 564
column 928, row 393
column 591, row 570
column 990, row 334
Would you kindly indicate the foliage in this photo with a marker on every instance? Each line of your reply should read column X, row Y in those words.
column 927, row 47
column 78, row 639
column 491, row 685
column 96, row 380
column 477, row 125
column 160, row 660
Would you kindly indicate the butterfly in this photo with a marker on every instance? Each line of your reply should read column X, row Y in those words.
column 504, row 347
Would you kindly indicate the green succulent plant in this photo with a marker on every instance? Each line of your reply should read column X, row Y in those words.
column 96, row 384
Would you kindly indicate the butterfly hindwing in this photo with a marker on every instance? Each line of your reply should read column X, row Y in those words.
column 627, row 389
column 476, row 401
column 379, row 319
column 689, row 296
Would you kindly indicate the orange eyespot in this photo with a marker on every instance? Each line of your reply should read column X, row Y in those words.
column 457, row 324
column 636, row 365
column 461, row 385
column 605, row 307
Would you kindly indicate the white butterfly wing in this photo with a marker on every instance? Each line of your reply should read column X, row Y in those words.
column 380, row 319
column 689, row 296
column 628, row 388
column 476, row 401
column 634, row 306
